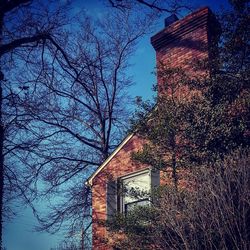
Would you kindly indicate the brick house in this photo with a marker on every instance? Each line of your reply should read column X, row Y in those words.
column 178, row 44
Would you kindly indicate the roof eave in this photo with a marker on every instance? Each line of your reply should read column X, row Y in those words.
column 89, row 182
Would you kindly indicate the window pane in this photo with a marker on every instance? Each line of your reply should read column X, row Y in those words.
column 136, row 188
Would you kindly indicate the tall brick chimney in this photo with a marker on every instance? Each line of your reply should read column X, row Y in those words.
column 184, row 41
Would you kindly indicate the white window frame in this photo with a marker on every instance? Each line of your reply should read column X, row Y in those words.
column 131, row 176
column 114, row 199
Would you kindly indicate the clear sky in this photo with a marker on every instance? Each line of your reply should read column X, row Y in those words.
column 19, row 234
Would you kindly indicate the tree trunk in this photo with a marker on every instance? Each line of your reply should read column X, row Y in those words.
column 1, row 162
column 174, row 171
column 1, row 168
column 1, row 142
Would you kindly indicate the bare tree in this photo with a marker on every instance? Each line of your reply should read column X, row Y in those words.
column 171, row 6
column 88, row 112
column 212, row 214
column 72, row 108
column 64, row 101
column 25, row 28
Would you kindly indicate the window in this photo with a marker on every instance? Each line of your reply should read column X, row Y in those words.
column 131, row 190
column 135, row 190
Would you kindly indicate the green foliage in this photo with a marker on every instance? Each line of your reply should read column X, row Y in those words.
column 212, row 118
column 136, row 225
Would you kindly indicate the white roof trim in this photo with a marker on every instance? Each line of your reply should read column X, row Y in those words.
column 99, row 169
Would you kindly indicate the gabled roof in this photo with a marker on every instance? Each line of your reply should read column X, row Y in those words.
column 99, row 169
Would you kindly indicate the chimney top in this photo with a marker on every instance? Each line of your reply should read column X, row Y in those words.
column 171, row 19
column 178, row 29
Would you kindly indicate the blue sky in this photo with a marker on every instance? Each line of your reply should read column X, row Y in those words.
column 18, row 233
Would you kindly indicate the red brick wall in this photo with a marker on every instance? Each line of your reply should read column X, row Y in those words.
column 120, row 165
column 177, row 45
